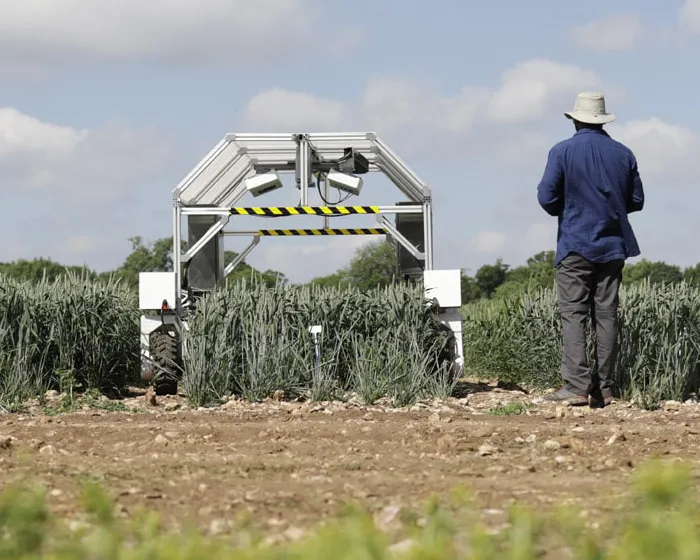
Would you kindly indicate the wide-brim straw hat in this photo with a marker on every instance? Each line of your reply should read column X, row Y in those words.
column 590, row 108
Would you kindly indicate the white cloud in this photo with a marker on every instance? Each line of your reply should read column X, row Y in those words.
column 527, row 91
column 489, row 241
column 392, row 104
column 280, row 109
column 163, row 29
column 94, row 164
column 20, row 133
column 661, row 148
column 618, row 32
column 689, row 15
column 468, row 122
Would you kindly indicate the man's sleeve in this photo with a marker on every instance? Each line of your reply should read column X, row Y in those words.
column 635, row 198
column 550, row 191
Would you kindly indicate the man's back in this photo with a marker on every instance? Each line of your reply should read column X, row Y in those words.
column 591, row 183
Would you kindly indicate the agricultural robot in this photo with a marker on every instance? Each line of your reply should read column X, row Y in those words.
column 242, row 164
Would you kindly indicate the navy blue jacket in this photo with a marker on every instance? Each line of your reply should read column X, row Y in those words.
column 590, row 183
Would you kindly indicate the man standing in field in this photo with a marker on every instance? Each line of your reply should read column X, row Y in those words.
column 590, row 183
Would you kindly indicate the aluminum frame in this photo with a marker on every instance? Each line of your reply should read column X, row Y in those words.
column 217, row 183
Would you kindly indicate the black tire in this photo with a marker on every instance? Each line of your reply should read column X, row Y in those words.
column 165, row 350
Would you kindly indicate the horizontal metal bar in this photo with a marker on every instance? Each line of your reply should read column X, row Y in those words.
column 324, row 231
column 279, row 211
column 284, row 211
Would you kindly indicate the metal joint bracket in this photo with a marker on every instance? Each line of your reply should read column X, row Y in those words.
column 405, row 243
column 202, row 241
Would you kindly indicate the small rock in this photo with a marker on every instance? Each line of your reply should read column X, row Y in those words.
column 171, row 435
column 560, row 459
column 446, row 443
column 561, row 412
column 387, row 516
column 486, row 450
column 294, row 534
column 47, row 450
column 519, row 440
column 617, row 436
column 578, row 429
column 170, row 407
column 532, row 438
column 403, row 547
column 549, row 415
column 6, row 442
column 217, row 527
column 161, row 440
column 52, row 394
column 551, row 445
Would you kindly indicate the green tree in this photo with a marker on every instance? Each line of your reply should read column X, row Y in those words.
column 692, row 274
column 537, row 273
column 336, row 279
column 470, row 289
column 656, row 272
column 373, row 265
column 36, row 269
column 491, row 276
column 152, row 257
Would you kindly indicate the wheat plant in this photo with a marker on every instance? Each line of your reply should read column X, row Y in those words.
column 252, row 340
column 70, row 324
column 519, row 340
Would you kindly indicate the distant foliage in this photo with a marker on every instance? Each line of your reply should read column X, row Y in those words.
column 252, row 340
column 519, row 339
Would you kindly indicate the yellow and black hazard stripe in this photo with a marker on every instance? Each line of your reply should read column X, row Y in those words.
column 326, row 231
column 275, row 211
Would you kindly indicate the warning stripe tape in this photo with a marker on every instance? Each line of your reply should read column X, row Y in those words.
column 327, row 231
column 304, row 210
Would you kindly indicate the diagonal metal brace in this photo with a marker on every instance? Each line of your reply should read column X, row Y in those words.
column 405, row 243
column 202, row 241
column 242, row 255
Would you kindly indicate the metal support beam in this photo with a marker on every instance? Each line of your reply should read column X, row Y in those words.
column 177, row 251
column 428, row 233
column 303, row 167
column 405, row 243
column 241, row 256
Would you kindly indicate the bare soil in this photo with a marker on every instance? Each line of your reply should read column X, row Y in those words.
column 290, row 465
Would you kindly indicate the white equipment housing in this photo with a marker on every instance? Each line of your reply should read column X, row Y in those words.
column 242, row 163
column 347, row 183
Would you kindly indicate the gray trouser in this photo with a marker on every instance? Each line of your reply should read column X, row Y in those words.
column 584, row 287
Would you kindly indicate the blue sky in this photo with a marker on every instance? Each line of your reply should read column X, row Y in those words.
column 105, row 106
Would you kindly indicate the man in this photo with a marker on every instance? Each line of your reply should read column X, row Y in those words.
column 590, row 183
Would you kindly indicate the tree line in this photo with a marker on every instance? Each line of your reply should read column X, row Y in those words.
column 372, row 265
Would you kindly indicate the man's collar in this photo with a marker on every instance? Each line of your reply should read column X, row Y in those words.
column 591, row 131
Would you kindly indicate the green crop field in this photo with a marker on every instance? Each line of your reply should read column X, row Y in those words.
column 382, row 350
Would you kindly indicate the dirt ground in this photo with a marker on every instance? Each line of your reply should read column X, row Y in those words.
column 290, row 465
